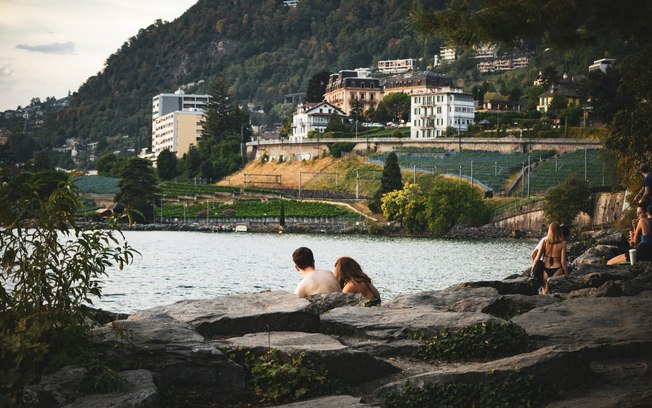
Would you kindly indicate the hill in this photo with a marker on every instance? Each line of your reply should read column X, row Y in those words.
column 263, row 48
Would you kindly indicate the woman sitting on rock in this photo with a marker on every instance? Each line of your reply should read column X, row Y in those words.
column 641, row 239
column 352, row 280
column 553, row 253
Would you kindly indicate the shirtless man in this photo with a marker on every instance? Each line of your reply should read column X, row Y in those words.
column 314, row 280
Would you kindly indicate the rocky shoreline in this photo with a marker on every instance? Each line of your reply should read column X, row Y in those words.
column 486, row 343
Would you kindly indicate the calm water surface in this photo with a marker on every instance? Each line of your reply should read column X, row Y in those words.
column 193, row 265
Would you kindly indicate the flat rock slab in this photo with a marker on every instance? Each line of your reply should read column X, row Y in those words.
column 590, row 321
column 549, row 367
column 284, row 341
column 147, row 332
column 240, row 314
column 517, row 286
column 454, row 299
column 348, row 365
column 339, row 401
column 140, row 392
column 394, row 324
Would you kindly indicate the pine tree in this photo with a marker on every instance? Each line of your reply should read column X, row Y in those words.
column 391, row 178
column 138, row 188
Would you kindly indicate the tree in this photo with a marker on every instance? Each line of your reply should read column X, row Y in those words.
column 335, row 124
column 281, row 216
column 166, row 165
column 394, row 107
column 407, row 206
column 451, row 203
column 317, row 86
column 138, row 188
column 557, row 103
column 44, row 318
column 109, row 165
column 390, row 180
column 564, row 201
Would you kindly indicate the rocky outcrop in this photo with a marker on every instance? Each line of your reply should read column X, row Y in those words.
column 591, row 333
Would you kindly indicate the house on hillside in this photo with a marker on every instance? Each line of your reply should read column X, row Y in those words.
column 397, row 66
column 348, row 87
column 602, row 64
column 565, row 89
column 435, row 111
column 312, row 116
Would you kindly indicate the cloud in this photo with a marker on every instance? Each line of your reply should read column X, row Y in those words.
column 5, row 71
column 54, row 48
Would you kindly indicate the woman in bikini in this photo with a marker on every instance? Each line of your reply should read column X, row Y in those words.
column 352, row 280
column 553, row 251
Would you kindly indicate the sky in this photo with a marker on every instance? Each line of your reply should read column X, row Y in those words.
column 50, row 47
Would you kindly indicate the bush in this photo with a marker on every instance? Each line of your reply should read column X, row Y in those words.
column 338, row 148
column 453, row 202
column 54, row 267
column 564, row 201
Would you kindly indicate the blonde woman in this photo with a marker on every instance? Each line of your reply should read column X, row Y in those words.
column 352, row 279
column 553, row 253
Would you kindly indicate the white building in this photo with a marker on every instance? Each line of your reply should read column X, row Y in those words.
column 396, row 66
column 177, row 121
column 448, row 53
column 436, row 110
column 311, row 116
column 602, row 64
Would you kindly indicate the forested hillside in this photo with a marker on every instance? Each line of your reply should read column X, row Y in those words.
column 263, row 48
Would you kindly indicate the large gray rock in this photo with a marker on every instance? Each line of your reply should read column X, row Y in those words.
column 549, row 368
column 453, row 299
column 609, row 237
column 518, row 286
column 394, row 324
column 55, row 390
column 240, row 314
column 599, row 254
column 139, row 392
column 508, row 306
column 347, row 365
column 590, row 276
column 590, row 321
column 324, row 302
column 339, row 401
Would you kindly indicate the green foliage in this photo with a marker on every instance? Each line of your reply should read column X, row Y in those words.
column 336, row 124
column 451, row 203
column 407, row 206
column 109, row 165
column 138, row 188
column 516, row 389
column 317, row 86
column 475, row 341
column 166, row 165
column 391, row 178
column 338, row 148
column 393, row 108
column 566, row 200
column 49, row 268
column 257, row 209
column 280, row 378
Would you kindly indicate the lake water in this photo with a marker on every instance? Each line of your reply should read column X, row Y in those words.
column 194, row 265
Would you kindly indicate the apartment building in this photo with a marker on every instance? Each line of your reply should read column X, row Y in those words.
column 397, row 66
column 436, row 110
column 177, row 131
column 348, row 86
column 177, row 121
column 448, row 53
column 312, row 117
column 602, row 64
column 414, row 83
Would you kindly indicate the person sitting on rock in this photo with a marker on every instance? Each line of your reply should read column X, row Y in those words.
column 352, row 279
column 314, row 280
column 565, row 231
column 553, row 253
column 641, row 239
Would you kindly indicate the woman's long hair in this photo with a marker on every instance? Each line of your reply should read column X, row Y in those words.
column 347, row 269
column 554, row 234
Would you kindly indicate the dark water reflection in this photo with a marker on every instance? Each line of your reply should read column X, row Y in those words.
column 191, row 265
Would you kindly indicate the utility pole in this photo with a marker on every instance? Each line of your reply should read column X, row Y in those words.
column 357, row 184
column 300, row 179
column 528, row 175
